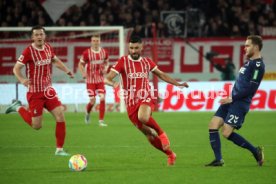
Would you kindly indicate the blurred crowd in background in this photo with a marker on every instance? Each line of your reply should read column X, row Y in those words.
column 217, row 18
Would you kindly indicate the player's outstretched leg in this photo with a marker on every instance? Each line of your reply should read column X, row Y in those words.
column 16, row 106
column 242, row 142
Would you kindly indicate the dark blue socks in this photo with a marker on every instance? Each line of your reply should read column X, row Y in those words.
column 240, row 141
column 215, row 143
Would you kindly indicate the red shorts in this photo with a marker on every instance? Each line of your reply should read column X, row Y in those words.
column 133, row 112
column 94, row 89
column 38, row 101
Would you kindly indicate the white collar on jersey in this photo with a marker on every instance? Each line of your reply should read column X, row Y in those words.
column 138, row 60
column 33, row 45
column 96, row 51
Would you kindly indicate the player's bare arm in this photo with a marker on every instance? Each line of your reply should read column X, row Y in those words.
column 59, row 64
column 165, row 77
column 81, row 67
column 108, row 80
column 17, row 72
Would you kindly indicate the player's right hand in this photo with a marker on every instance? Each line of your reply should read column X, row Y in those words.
column 182, row 85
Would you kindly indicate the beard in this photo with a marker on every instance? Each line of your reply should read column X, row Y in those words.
column 135, row 56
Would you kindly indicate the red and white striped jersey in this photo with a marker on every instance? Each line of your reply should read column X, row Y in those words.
column 38, row 64
column 135, row 78
column 95, row 62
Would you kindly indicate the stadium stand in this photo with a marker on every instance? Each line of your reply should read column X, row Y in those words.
column 219, row 18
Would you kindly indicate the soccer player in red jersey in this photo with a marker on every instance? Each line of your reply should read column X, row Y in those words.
column 38, row 59
column 134, row 70
column 93, row 65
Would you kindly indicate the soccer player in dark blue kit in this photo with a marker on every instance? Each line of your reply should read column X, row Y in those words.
column 232, row 111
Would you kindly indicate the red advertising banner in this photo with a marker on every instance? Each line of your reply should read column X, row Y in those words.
column 174, row 55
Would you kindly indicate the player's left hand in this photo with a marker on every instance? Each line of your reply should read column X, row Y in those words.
column 226, row 100
column 71, row 75
column 182, row 85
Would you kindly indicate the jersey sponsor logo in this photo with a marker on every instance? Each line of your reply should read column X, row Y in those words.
column 43, row 62
column 242, row 70
column 97, row 61
column 137, row 75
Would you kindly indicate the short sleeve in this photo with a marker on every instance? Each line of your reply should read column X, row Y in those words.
column 153, row 66
column 24, row 57
column 119, row 66
column 84, row 57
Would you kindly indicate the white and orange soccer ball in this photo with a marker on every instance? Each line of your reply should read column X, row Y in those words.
column 78, row 162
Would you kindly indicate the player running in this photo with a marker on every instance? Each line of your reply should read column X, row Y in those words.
column 93, row 65
column 134, row 70
column 38, row 59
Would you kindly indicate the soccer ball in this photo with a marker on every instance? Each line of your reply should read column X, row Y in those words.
column 77, row 163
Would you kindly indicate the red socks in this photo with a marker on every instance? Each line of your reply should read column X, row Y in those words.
column 152, row 123
column 102, row 109
column 60, row 126
column 60, row 134
column 89, row 107
column 156, row 142
column 26, row 115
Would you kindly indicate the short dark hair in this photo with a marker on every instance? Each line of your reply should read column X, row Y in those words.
column 135, row 39
column 256, row 40
column 37, row 27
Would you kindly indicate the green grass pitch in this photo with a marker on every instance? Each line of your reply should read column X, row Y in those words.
column 121, row 154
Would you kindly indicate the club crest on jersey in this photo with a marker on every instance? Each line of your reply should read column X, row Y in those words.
column 137, row 75
column 258, row 63
column 242, row 70
column 43, row 62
